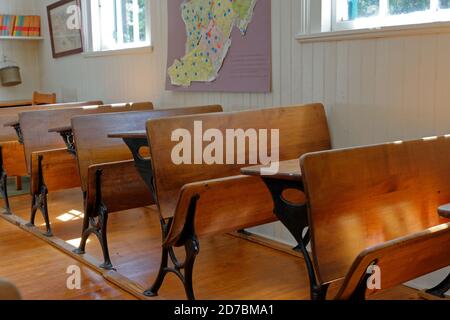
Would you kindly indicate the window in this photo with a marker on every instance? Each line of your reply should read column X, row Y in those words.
column 118, row 24
column 358, row 14
column 324, row 18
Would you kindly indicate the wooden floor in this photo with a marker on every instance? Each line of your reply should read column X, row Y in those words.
column 227, row 267
column 39, row 270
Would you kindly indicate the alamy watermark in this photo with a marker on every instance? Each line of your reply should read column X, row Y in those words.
column 73, row 282
column 74, row 20
column 374, row 281
column 236, row 146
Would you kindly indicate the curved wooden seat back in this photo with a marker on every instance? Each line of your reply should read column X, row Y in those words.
column 363, row 197
column 43, row 98
column 35, row 125
column 121, row 187
column 8, row 115
column 231, row 201
column 401, row 260
column 91, row 134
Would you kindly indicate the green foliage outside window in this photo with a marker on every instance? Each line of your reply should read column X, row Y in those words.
column 444, row 4
column 128, row 20
column 363, row 8
column 408, row 6
column 370, row 8
column 142, row 19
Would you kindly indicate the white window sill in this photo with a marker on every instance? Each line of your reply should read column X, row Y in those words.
column 382, row 32
column 127, row 51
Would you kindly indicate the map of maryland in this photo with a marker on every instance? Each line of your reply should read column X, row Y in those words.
column 208, row 24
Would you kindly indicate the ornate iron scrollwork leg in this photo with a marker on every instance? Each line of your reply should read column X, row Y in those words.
column 4, row 185
column 19, row 132
column 190, row 242
column 69, row 141
column 295, row 218
column 40, row 201
column 441, row 289
column 360, row 292
column 143, row 165
column 96, row 223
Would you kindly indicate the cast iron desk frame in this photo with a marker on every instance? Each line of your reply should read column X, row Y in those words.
column 294, row 216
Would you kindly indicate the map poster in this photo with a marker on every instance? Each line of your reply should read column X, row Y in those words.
column 219, row 46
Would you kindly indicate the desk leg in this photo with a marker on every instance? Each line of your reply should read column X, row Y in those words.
column 144, row 166
column 69, row 141
column 183, row 270
column 19, row 133
column 39, row 201
column 295, row 218
column 4, row 185
column 96, row 222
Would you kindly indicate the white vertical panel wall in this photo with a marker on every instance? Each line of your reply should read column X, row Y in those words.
column 24, row 53
column 374, row 90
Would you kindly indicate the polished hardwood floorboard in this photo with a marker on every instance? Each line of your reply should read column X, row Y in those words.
column 39, row 270
column 227, row 267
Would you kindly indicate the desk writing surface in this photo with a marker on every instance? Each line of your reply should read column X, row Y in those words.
column 129, row 135
column 287, row 170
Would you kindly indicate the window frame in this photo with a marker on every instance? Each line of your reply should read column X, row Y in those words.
column 388, row 20
column 318, row 23
column 92, row 50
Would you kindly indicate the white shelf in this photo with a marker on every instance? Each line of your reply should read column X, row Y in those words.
column 21, row 38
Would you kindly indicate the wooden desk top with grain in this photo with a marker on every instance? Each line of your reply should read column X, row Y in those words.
column 61, row 129
column 129, row 135
column 287, row 170
column 15, row 103
column 444, row 211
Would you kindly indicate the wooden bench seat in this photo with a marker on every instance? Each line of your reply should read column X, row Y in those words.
column 109, row 178
column 49, row 164
column 378, row 206
column 12, row 162
column 198, row 200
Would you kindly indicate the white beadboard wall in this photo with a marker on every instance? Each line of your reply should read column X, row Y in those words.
column 374, row 90
column 24, row 53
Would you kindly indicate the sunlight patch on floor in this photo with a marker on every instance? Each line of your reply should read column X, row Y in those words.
column 76, row 242
column 71, row 215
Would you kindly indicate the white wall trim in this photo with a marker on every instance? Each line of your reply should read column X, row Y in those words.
column 127, row 51
column 312, row 18
column 382, row 32
column 304, row 17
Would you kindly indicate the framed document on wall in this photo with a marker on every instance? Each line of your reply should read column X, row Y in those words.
column 64, row 20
